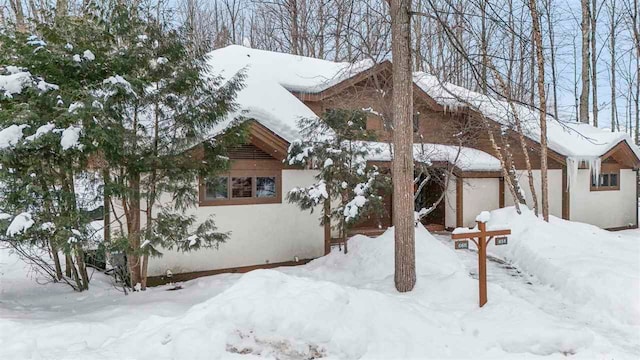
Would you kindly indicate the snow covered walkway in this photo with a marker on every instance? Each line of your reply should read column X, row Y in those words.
column 547, row 299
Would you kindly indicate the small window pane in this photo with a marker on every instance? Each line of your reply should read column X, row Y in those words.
column 241, row 187
column 604, row 180
column 217, row 188
column 265, row 187
column 613, row 179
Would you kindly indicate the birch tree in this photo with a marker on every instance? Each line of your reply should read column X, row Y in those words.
column 537, row 40
column 586, row 60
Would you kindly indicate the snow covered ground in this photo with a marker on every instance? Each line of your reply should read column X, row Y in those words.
column 556, row 290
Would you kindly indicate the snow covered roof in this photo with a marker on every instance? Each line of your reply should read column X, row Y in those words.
column 569, row 138
column 466, row 159
column 270, row 79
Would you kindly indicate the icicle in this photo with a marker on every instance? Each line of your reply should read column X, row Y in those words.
column 594, row 164
column 572, row 171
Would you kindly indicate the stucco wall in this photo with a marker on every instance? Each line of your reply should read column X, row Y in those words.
column 260, row 234
column 606, row 209
column 478, row 195
column 555, row 190
column 450, row 204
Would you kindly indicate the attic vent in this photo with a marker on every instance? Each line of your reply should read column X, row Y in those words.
column 248, row 151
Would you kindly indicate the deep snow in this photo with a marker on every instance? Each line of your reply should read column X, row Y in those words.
column 345, row 306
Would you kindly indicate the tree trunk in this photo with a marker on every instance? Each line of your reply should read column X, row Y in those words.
column 594, row 67
column 76, row 277
column 552, row 53
column 107, row 207
column 56, row 261
column 523, row 144
column 143, row 272
column 68, row 263
column 636, row 37
column 585, row 74
column 537, row 39
column 403, row 208
column 133, row 225
column 16, row 6
column 615, row 125
column 503, row 164
column 82, row 268
column 62, row 7
column 483, row 44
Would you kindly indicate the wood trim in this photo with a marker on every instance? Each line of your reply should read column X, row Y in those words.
column 327, row 228
column 268, row 141
column 257, row 164
column 445, row 164
column 459, row 202
column 552, row 154
column 623, row 154
column 477, row 174
column 161, row 280
column 359, row 77
column 620, row 228
column 476, row 233
column 202, row 201
column 501, row 193
column 344, row 84
column 566, row 195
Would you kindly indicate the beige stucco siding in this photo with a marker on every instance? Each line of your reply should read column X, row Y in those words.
column 478, row 195
column 606, row 209
column 260, row 234
column 555, row 190
column 450, row 204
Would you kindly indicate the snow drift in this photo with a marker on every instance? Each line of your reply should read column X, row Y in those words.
column 597, row 269
column 342, row 306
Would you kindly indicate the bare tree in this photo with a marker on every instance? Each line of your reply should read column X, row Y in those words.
column 548, row 4
column 594, row 61
column 537, row 39
column 62, row 8
column 18, row 11
column 613, row 21
column 585, row 73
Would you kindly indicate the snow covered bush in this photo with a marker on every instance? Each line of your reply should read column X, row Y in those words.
column 158, row 106
column 117, row 97
column 45, row 147
column 334, row 145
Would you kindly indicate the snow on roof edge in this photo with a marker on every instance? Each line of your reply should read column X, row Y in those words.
column 273, row 76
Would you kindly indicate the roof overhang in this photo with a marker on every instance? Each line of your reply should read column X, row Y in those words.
column 385, row 66
column 623, row 154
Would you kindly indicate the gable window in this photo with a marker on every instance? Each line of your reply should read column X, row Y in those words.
column 217, row 188
column 266, row 186
column 242, row 187
column 609, row 179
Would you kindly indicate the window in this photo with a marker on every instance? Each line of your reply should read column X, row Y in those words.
column 266, row 186
column 608, row 180
column 242, row 187
column 217, row 188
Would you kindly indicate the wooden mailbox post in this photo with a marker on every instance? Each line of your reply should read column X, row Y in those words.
column 481, row 238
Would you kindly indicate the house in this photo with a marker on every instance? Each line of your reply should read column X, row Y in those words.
column 280, row 89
